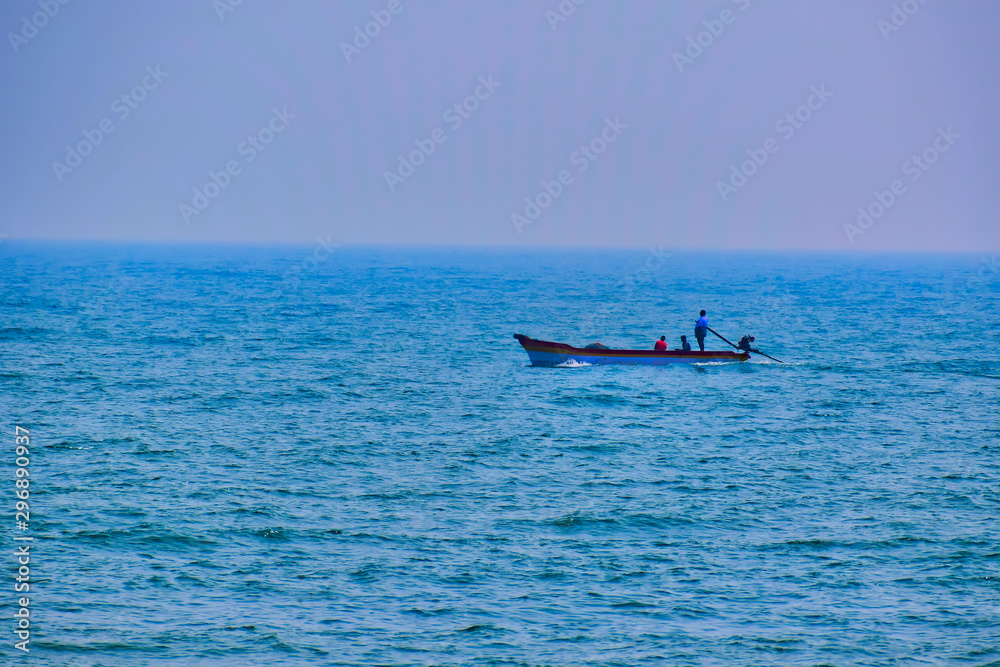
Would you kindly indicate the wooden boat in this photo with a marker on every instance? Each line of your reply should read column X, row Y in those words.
column 546, row 353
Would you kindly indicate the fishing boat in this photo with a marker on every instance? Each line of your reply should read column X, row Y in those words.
column 547, row 353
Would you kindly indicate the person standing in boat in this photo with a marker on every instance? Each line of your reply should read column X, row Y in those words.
column 685, row 345
column 701, row 330
column 661, row 345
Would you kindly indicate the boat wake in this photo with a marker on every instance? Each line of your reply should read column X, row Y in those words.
column 572, row 363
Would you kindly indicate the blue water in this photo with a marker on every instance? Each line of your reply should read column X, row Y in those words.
column 240, row 462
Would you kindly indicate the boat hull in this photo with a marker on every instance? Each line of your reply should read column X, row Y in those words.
column 547, row 353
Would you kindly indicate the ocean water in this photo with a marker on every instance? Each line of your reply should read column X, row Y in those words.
column 249, row 457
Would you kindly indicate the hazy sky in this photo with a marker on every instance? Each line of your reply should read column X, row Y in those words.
column 643, row 127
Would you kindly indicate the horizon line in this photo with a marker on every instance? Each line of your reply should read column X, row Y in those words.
column 472, row 246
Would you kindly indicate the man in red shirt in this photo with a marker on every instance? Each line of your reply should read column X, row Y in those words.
column 661, row 345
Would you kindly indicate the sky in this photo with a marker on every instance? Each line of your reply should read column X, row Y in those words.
column 858, row 125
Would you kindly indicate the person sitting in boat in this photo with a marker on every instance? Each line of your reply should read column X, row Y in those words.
column 596, row 346
column 661, row 345
column 701, row 330
column 745, row 343
column 685, row 345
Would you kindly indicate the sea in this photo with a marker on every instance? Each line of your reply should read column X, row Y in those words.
column 334, row 455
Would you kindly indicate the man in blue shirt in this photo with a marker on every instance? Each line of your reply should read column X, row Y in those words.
column 701, row 330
